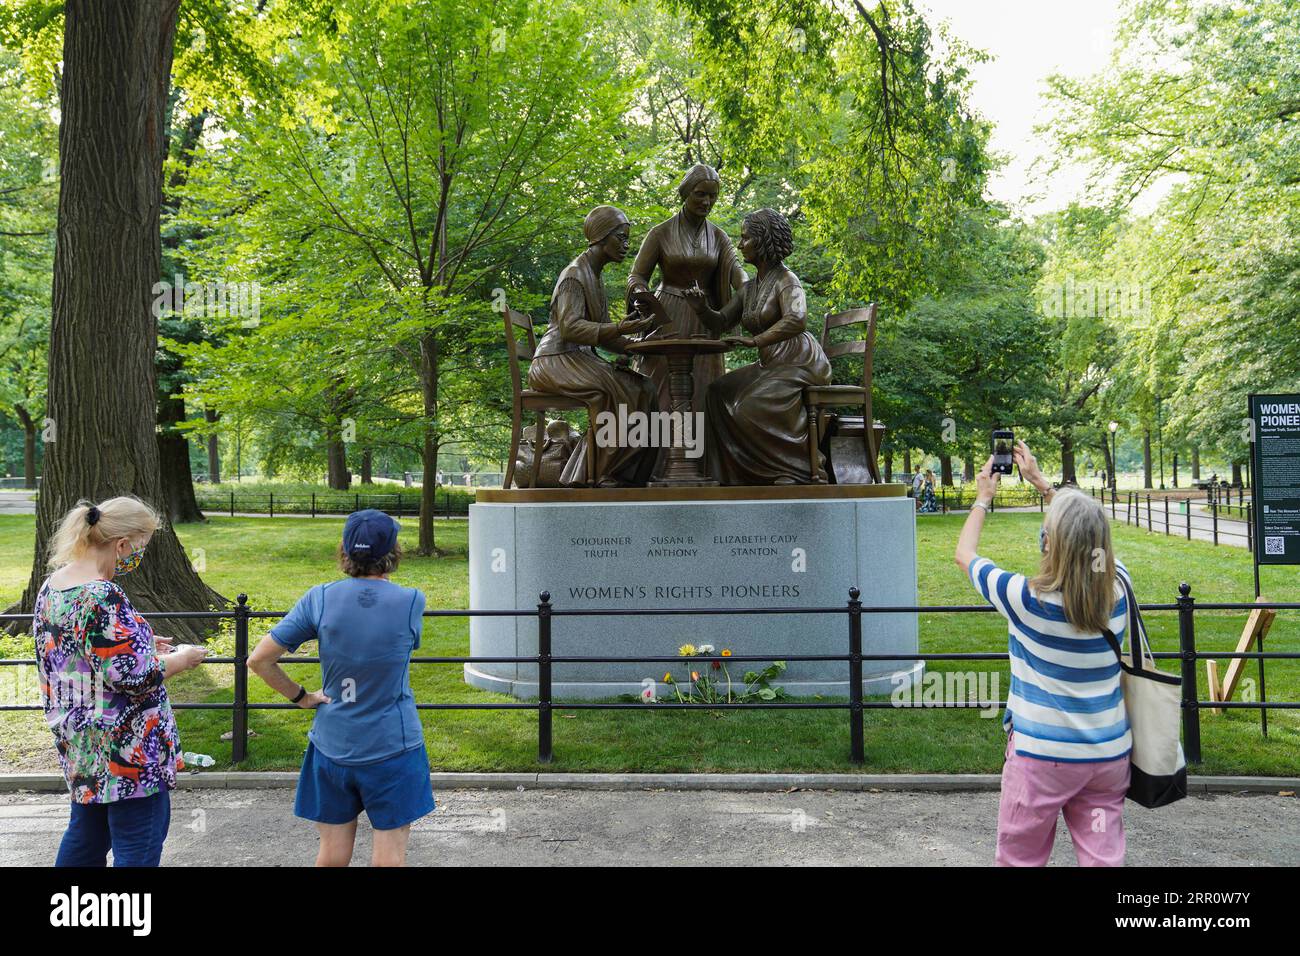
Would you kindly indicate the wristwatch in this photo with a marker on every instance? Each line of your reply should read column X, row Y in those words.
column 981, row 504
column 302, row 692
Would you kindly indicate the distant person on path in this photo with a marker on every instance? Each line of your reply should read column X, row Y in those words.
column 928, row 503
column 366, row 748
column 101, row 674
column 1068, row 740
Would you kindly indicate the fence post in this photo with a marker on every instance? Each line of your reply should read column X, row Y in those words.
column 271, row 506
column 1114, row 514
column 313, row 504
column 356, row 504
column 855, row 676
column 1250, row 531
column 544, row 677
column 399, row 504
column 239, row 715
column 1149, row 527
column 232, row 504
column 1187, row 645
column 1040, row 504
column 1214, row 518
column 944, row 492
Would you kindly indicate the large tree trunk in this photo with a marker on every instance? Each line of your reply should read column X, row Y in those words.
column 367, row 464
column 1196, row 463
column 214, row 449
column 174, row 464
column 29, row 445
column 1146, row 459
column 1110, row 465
column 429, row 450
column 1175, row 469
column 907, row 462
column 101, row 391
column 336, row 469
column 945, row 470
column 968, row 467
column 1067, row 458
column 1236, row 474
column 889, row 465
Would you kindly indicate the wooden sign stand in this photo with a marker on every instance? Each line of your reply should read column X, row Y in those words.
column 1257, row 625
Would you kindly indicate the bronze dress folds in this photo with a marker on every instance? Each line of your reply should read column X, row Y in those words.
column 566, row 363
column 685, row 257
column 755, row 416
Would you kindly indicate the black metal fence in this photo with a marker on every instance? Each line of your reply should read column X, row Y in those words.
column 1213, row 515
column 1188, row 655
column 398, row 504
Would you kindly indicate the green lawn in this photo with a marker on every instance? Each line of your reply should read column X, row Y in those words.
column 274, row 560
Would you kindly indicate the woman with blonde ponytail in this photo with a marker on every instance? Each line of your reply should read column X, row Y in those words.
column 102, row 672
column 1068, row 738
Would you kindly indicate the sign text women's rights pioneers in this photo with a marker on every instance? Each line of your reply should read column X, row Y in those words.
column 1275, row 420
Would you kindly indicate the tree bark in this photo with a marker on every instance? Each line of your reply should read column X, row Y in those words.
column 1146, row 459
column 1110, row 465
column 1196, row 463
column 214, row 449
column 102, row 385
column 1175, row 469
column 429, row 450
column 945, row 470
column 29, row 445
column 1067, row 458
column 1236, row 474
column 367, row 464
column 336, row 462
column 907, row 461
column 889, row 465
column 174, row 464
column 968, row 468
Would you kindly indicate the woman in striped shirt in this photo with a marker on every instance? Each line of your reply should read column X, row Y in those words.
column 1068, row 734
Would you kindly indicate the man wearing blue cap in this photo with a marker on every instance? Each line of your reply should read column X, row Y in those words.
column 365, row 750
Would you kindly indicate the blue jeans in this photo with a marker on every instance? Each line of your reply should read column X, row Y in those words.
column 134, row 829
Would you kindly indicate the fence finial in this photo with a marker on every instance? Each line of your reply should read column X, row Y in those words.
column 854, row 593
column 241, row 598
column 1184, row 589
column 544, row 597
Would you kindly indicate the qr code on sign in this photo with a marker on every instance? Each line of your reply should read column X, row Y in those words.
column 1274, row 544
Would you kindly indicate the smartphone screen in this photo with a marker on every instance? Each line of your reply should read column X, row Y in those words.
column 1003, row 442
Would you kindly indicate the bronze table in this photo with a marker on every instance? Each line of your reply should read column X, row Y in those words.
column 679, row 470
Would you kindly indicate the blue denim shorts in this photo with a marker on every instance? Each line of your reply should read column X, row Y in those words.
column 394, row 791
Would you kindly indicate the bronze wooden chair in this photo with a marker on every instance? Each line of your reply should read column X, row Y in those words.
column 529, row 400
column 818, row 397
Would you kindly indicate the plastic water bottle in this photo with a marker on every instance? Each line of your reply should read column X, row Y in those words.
column 196, row 760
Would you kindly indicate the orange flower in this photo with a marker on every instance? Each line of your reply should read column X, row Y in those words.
column 695, row 675
column 726, row 652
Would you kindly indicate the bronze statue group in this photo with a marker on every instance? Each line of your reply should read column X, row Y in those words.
column 756, row 426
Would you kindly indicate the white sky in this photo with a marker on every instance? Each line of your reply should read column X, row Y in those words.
column 1028, row 40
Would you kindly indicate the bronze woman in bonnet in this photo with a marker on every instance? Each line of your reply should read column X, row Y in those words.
column 566, row 362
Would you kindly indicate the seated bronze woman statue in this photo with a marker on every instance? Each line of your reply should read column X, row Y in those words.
column 566, row 362
column 757, row 427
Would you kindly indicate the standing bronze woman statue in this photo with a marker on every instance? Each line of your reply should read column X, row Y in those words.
column 755, row 416
column 566, row 362
column 689, row 251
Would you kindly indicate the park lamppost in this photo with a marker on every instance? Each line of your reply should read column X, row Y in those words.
column 1114, row 462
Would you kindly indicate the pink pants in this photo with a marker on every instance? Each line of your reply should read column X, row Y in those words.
column 1034, row 792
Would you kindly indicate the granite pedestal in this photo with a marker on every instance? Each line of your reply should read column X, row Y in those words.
column 692, row 548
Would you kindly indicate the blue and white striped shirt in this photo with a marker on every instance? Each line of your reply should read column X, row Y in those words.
column 1065, row 702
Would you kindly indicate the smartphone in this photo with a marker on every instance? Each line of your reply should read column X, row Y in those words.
column 1003, row 442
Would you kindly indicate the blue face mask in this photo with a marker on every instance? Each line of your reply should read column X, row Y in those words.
column 125, row 565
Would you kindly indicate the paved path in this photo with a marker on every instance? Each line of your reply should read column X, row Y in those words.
column 684, row 828
column 17, row 502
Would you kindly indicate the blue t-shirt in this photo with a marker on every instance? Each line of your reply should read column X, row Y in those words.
column 367, row 629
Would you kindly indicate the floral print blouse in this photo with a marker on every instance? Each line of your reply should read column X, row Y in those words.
column 102, row 690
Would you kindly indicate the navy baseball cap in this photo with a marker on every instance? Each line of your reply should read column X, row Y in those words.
column 369, row 535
